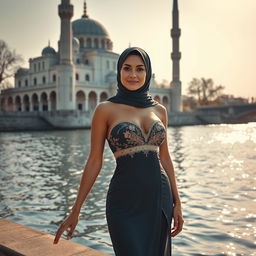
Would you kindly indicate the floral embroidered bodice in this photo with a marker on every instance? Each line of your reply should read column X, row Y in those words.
column 128, row 138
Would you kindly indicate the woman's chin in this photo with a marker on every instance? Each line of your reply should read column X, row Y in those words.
column 132, row 87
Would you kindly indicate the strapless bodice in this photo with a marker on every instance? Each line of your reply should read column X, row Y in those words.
column 128, row 138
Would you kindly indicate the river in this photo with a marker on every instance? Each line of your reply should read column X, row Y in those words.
column 215, row 166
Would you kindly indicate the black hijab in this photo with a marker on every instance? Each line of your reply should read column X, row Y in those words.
column 140, row 97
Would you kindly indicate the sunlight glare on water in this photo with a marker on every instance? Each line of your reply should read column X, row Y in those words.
column 214, row 165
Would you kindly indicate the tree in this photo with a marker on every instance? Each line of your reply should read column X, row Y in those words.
column 195, row 89
column 204, row 90
column 8, row 62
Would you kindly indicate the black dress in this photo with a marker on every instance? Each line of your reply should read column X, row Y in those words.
column 139, row 201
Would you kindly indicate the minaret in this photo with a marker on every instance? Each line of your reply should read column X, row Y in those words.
column 65, row 81
column 66, row 13
column 175, row 55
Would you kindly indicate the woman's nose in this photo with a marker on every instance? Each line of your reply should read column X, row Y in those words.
column 133, row 73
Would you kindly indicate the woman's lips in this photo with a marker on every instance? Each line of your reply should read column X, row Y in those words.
column 132, row 82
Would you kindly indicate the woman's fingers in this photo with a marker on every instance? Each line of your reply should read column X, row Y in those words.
column 68, row 224
column 178, row 224
column 175, row 226
column 57, row 236
column 71, row 231
column 178, row 221
column 59, row 233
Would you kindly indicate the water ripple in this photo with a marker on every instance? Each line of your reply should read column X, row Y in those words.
column 215, row 169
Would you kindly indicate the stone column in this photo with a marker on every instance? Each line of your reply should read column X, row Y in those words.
column 22, row 106
column 40, row 105
column 97, row 99
column 49, row 104
column 30, row 106
column 6, row 105
column 87, row 105
column 14, row 107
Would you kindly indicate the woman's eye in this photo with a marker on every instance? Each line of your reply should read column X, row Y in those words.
column 126, row 68
column 140, row 69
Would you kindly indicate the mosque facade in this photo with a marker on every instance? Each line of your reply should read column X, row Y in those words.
column 82, row 72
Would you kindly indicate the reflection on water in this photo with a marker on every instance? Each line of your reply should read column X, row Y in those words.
column 215, row 168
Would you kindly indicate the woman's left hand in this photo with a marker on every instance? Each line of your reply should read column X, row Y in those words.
column 178, row 220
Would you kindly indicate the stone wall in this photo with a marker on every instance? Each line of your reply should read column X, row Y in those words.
column 64, row 119
column 10, row 121
column 193, row 118
column 70, row 119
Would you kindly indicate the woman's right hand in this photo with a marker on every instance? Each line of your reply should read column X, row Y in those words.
column 68, row 224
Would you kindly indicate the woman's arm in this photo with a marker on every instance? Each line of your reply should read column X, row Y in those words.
column 91, row 169
column 167, row 164
column 95, row 159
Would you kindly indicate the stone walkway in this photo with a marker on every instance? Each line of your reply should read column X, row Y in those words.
column 16, row 239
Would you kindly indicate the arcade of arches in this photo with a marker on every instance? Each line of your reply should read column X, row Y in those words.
column 46, row 101
column 27, row 102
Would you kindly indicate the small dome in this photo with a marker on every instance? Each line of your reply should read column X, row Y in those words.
column 86, row 26
column 75, row 43
column 111, row 77
column 22, row 71
column 111, row 74
column 48, row 51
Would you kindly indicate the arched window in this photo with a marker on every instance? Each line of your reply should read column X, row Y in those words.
column 34, row 67
column 89, row 42
column 35, row 81
column 80, row 106
column 86, row 62
column 43, row 80
column 19, row 83
column 43, row 65
column 103, row 44
column 81, row 41
column 77, row 77
column 26, row 82
column 39, row 66
column 96, row 43
column 54, row 78
column 87, row 77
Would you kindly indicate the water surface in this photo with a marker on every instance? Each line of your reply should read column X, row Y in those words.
column 215, row 169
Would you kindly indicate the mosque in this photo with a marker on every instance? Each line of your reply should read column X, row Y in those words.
column 81, row 72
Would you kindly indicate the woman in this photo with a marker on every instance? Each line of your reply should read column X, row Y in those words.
column 142, row 197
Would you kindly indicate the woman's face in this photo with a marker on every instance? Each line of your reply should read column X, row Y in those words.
column 133, row 72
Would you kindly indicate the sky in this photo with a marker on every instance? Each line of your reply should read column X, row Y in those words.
column 218, row 37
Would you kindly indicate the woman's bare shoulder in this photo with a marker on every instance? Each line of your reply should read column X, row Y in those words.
column 161, row 109
column 105, row 105
column 104, row 108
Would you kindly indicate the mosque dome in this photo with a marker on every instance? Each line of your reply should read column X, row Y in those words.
column 86, row 26
column 48, row 50
column 91, row 34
